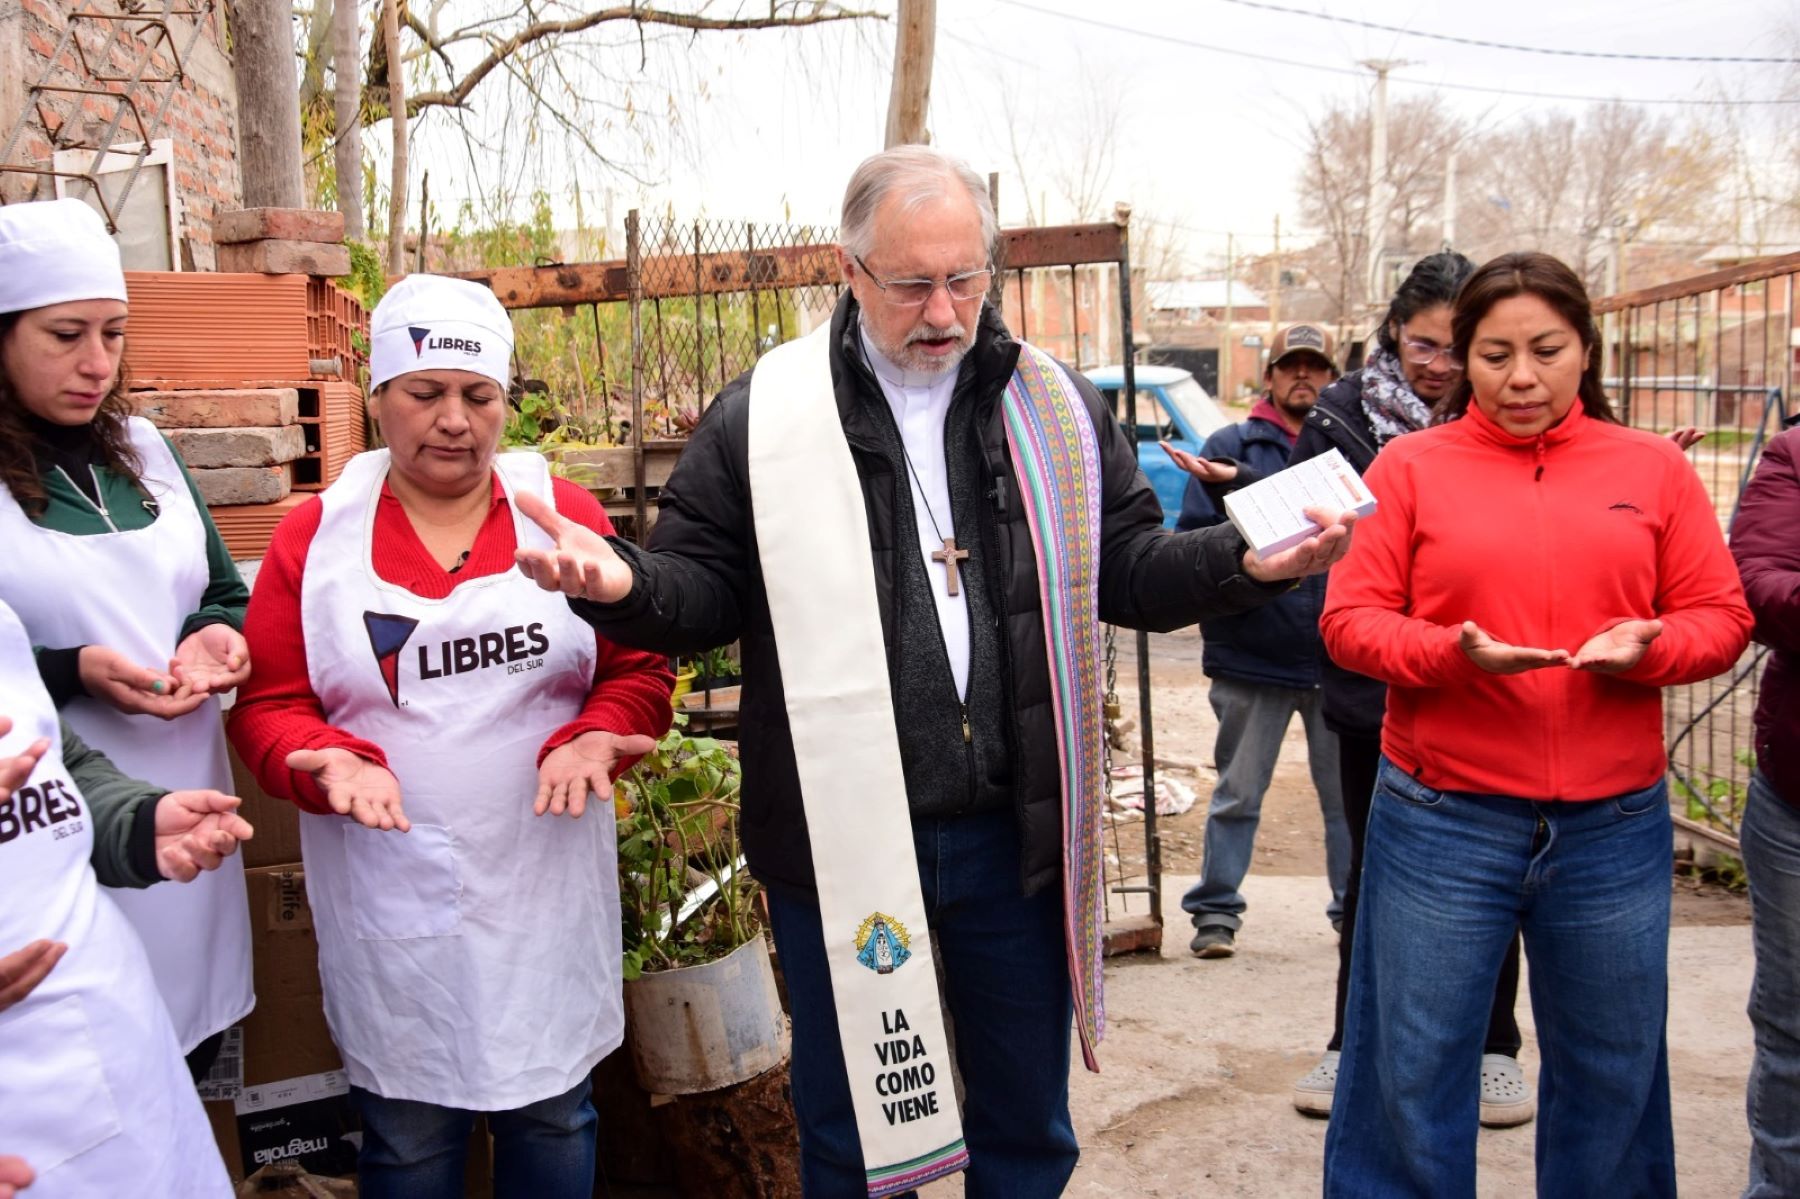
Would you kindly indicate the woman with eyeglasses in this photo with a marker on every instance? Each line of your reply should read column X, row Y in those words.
column 1411, row 368
column 1535, row 575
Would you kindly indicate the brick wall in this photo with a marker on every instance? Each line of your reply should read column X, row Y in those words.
column 201, row 119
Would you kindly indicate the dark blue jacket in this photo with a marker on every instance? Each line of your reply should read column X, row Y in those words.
column 1278, row 643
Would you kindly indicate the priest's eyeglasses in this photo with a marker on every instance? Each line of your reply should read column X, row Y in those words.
column 913, row 293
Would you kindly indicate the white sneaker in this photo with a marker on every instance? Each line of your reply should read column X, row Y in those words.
column 1312, row 1094
column 1506, row 1100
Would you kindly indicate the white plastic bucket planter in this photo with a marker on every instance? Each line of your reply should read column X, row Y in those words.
column 700, row 1028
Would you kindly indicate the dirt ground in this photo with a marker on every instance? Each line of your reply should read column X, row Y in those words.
column 1200, row 1057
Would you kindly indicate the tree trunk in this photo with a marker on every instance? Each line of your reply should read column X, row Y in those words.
column 268, row 90
column 910, row 100
column 346, row 65
column 390, row 32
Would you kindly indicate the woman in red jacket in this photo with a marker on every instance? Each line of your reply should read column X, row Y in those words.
column 1535, row 574
column 1765, row 540
column 441, row 723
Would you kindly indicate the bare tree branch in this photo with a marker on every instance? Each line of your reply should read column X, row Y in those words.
column 501, row 49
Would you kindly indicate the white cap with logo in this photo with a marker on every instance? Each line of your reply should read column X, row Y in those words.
column 55, row 252
column 434, row 322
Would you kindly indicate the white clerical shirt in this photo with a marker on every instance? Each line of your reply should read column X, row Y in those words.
column 920, row 402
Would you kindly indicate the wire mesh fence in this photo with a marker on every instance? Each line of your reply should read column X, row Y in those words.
column 1717, row 352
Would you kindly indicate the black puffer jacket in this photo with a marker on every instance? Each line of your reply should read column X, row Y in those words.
column 1353, row 704
column 699, row 584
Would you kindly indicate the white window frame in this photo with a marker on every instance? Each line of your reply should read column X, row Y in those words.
column 122, row 158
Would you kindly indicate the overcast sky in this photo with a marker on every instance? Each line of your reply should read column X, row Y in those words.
column 1211, row 139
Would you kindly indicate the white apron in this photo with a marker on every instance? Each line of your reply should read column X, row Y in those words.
column 93, row 1092
column 474, row 961
column 131, row 591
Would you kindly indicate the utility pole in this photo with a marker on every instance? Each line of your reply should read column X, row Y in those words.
column 268, row 90
column 1376, row 205
column 1275, row 284
column 346, row 65
column 909, row 100
column 1226, row 389
column 396, row 81
column 1450, row 202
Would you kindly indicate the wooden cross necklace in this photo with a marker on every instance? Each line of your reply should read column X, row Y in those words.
column 949, row 555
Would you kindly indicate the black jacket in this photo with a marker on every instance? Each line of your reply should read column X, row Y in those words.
column 1276, row 645
column 699, row 584
column 1353, row 704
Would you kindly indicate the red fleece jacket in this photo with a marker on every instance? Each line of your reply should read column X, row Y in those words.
column 276, row 711
column 1543, row 542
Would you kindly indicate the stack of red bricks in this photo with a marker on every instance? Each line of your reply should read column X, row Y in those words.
column 253, row 372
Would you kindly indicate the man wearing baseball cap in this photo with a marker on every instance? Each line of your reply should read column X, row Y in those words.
column 1264, row 664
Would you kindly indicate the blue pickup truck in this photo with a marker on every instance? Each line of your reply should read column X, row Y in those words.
column 1171, row 407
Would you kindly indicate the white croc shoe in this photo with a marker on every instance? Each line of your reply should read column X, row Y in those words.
column 1506, row 1100
column 1312, row 1094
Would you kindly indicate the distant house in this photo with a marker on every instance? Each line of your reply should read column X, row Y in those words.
column 1210, row 327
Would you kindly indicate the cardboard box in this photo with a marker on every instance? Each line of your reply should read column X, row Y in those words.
column 286, row 1037
column 307, row 1120
column 222, row 1115
column 276, row 821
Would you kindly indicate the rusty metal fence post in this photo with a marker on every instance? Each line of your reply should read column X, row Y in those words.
column 634, row 284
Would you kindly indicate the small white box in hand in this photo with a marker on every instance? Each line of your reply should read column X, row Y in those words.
column 1271, row 513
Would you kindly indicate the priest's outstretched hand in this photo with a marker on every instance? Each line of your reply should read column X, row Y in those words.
column 1315, row 555
column 583, row 563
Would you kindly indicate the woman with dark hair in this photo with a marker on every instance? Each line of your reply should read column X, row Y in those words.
column 121, row 581
column 1412, row 367
column 1535, row 575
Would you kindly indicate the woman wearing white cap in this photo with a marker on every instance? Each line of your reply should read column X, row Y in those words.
column 441, row 722
column 115, row 570
column 94, row 1097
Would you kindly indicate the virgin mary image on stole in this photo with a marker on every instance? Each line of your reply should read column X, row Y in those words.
column 881, row 943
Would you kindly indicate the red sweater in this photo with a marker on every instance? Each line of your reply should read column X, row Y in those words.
column 1543, row 542
column 276, row 711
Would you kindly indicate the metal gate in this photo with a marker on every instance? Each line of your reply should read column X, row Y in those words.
column 1721, row 352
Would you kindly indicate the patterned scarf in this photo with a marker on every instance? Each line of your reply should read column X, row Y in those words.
column 1388, row 400
column 1056, row 457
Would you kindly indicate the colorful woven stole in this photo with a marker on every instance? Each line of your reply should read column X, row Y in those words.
column 1057, row 460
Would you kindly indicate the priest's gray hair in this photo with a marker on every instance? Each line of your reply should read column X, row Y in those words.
column 914, row 175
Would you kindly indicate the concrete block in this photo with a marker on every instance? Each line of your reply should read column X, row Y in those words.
column 286, row 224
column 285, row 257
column 246, row 408
column 207, row 448
column 242, row 484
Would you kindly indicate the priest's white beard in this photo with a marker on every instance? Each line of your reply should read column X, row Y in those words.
column 909, row 356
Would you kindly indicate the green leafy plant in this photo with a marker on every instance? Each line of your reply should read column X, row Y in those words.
column 685, row 896
column 717, row 663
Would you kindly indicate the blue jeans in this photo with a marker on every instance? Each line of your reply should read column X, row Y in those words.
column 1253, row 718
column 412, row 1150
column 1006, row 987
column 1447, row 879
column 1771, row 844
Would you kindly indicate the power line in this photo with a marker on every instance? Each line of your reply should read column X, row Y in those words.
column 1170, row 39
column 1487, row 45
